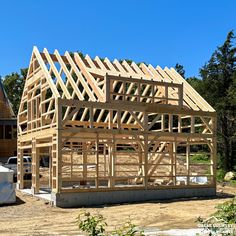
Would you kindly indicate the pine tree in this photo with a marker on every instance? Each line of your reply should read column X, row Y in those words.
column 219, row 89
column 180, row 69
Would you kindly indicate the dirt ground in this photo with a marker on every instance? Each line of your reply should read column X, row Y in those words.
column 32, row 216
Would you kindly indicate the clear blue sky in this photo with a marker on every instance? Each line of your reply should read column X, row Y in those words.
column 157, row 32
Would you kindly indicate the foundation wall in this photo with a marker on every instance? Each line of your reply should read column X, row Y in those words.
column 127, row 196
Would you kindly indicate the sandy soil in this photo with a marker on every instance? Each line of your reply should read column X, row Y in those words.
column 32, row 216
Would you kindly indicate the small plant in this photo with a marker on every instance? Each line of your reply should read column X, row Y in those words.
column 128, row 229
column 227, row 211
column 223, row 219
column 220, row 174
column 93, row 225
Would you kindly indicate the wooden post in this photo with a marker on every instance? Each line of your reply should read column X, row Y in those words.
column 35, row 167
column 97, row 161
column 171, row 169
column 107, row 88
column 145, row 121
column 188, row 160
column 91, row 119
column 119, row 119
column 181, row 92
column 50, row 166
column 111, row 157
column 20, row 167
column 58, row 146
column 162, row 123
column 84, row 162
column 110, row 119
column 152, row 94
column 175, row 160
column 166, row 93
column 146, row 166
column 170, row 123
column 179, row 124
column 192, row 124
column 54, row 163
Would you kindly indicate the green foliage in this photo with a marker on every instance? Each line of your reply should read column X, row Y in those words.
column 180, row 69
column 81, row 54
column 200, row 157
column 221, row 222
column 220, row 174
column 227, row 211
column 129, row 61
column 14, row 85
column 218, row 77
column 128, row 229
column 218, row 87
column 233, row 182
column 93, row 225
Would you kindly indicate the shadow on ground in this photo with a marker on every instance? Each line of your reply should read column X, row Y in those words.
column 19, row 201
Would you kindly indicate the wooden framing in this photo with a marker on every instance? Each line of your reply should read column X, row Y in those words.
column 111, row 125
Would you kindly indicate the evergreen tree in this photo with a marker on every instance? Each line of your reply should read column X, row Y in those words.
column 218, row 87
column 180, row 69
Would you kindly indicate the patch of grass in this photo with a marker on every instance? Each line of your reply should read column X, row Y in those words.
column 200, row 158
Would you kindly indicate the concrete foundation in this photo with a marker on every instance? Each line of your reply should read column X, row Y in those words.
column 127, row 196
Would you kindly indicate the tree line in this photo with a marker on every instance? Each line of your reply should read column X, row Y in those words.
column 217, row 84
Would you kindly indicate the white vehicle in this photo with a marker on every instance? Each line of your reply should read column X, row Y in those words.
column 12, row 164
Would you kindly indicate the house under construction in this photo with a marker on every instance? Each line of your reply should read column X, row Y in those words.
column 8, row 127
column 113, row 131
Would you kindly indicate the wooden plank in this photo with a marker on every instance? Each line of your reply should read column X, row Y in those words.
column 90, row 79
column 59, row 79
column 161, row 108
column 46, row 73
column 69, row 77
column 80, row 77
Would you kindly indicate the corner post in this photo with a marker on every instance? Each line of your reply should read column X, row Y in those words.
column 107, row 88
column 58, row 145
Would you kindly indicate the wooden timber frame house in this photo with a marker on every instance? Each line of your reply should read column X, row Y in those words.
column 8, row 127
column 114, row 131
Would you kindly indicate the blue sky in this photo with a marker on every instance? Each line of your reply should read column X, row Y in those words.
column 157, row 32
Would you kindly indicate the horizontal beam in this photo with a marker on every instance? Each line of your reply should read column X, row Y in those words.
column 143, row 81
column 156, row 108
